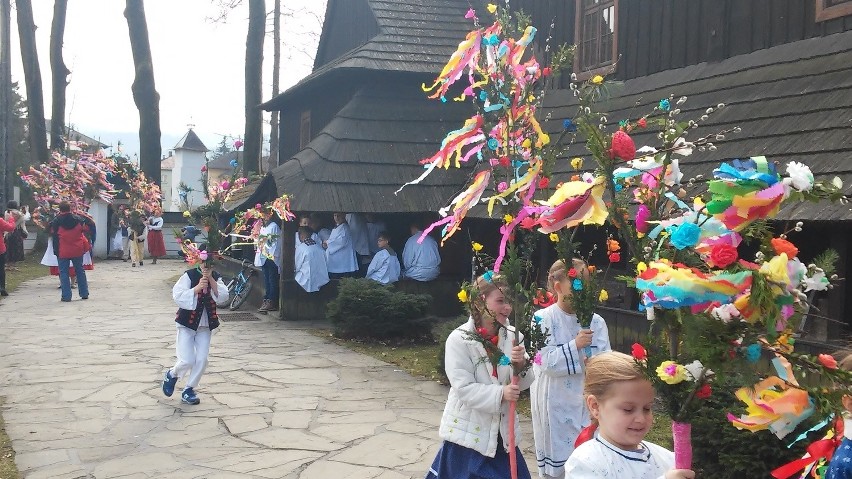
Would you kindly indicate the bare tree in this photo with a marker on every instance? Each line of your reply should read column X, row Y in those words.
column 5, row 100
column 144, row 91
column 276, row 74
column 59, row 75
column 32, row 76
column 254, row 86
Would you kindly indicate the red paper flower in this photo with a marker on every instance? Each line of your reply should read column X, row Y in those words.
column 572, row 273
column 528, row 223
column 639, row 352
column 642, row 123
column 544, row 182
column 622, row 147
column 494, row 339
column 614, row 257
column 781, row 245
column 544, row 298
column 505, row 162
column 723, row 255
column 546, row 71
column 704, row 391
column 828, row 361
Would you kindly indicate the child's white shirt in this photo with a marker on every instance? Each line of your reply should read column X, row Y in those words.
column 598, row 458
column 186, row 298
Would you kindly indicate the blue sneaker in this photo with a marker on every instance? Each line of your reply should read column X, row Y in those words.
column 169, row 384
column 189, row 397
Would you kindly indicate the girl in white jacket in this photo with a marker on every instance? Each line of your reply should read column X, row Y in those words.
column 475, row 425
column 620, row 398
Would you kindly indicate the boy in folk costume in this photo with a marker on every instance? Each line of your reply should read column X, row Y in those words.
column 384, row 268
column 311, row 272
column 556, row 396
column 196, row 293
column 156, row 245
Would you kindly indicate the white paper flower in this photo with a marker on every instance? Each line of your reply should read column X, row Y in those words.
column 588, row 177
column 694, row 370
column 682, row 147
column 673, row 174
column 800, row 176
column 817, row 282
column 725, row 313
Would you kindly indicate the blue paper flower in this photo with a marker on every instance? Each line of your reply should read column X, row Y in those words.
column 504, row 360
column 686, row 235
column 488, row 276
column 234, row 163
column 665, row 105
column 618, row 187
column 493, row 143
column 537, row 319
column 622, row 123
column 483, row 95
column 232, row 220
column 752, row 353
column 569, row 125
column 492, row 40
column 577, row 285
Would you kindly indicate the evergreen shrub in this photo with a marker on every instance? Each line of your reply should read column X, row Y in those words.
column 369, row 310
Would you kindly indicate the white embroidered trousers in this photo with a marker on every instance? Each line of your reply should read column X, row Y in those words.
column 192, row 348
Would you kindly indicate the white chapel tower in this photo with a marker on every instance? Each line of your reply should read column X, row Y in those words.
column 190, row 156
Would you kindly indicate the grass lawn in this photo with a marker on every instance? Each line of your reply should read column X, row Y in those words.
column 29, row 269
column 421, row 360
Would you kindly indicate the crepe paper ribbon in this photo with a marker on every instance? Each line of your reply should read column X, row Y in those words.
column 465, row 56
column 817, row 451
column 666, row 286
column 461, row 205
column 773, row 403
column 513, row 453
column 586, row 434
column 574, row 203
column 682, row 439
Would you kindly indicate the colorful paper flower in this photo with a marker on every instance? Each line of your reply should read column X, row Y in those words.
column 476, row 246
column 537, row 358
column 492, row 8
column 665, row 105
column 642, row 216
column 577, row 285
column 493, row 143
column 723, row 255
column 234, row 163
column 504, row 360
column 597, row 80
column 502, row 186
column 553, row 237
column 203, row 168
column 462, row 295
column 603, row 296
column 470, row 14
column 686, row 236
column 569, row 125
column 638, row 351
column 187, row 214
column 780, row 245
column 704, row 391
column 622, row 147
column 671, row 372
column 753, row 352
column 642, row 123
column 543, row 182
column 572, row 273
column 576, row 163
column 488, row 276
column 508, row 218
column 827, row 360
column 614, row 257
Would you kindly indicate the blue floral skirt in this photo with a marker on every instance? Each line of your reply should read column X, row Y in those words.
column 459, row 462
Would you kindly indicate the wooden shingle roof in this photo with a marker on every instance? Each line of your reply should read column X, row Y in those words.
column 415, row 36
column 369, row 150
column 793, row 103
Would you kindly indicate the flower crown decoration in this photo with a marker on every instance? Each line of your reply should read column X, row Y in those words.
column 77, row 180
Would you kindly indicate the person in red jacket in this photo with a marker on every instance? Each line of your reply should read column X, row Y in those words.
column 5, row 226
column 70, row 243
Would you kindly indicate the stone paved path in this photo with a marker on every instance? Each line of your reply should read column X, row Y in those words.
column 81, row 382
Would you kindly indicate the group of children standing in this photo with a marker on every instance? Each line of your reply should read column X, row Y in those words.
column 569, row 391
column 133, row 234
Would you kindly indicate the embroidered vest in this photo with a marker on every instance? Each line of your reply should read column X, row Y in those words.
column 191, row 318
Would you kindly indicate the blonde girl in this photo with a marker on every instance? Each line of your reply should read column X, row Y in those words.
column 474, row 425
column 558, row 411
column 620, row 398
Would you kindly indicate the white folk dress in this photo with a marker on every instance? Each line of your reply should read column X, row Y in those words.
column 599, row 459
column 558, row 410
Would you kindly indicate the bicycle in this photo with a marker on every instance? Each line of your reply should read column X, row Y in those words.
column 240, row 285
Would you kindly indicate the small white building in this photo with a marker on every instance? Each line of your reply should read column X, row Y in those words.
column 184, row 167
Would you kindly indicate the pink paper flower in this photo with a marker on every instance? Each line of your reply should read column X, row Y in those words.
column 642, row 215
column 537, row 358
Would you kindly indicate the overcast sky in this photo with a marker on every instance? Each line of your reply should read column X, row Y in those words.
column 198, row 65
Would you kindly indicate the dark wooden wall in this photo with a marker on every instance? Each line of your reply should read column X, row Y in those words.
column 351, row 24
column 657, row 35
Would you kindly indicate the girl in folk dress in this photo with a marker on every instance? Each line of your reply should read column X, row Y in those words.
column 475, row 424
column 556, row 396
column 619, row 399
column 156, row 245
column 138, row 233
